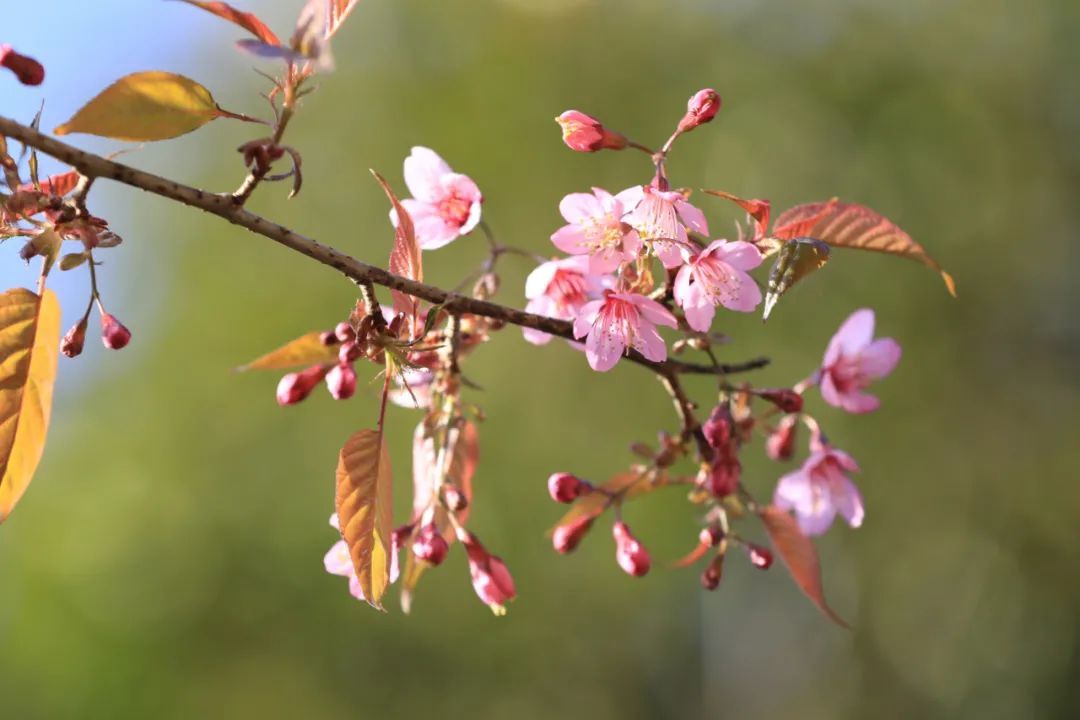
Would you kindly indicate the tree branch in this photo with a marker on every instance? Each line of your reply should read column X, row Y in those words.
column 224, row 206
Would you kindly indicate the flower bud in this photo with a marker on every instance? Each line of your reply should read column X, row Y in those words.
column 761, row 557
column 583, row 133
column 341, row 381
column 718, row 428
column 429, row 545
column 780, row 445
column 784, row 398
column 72, row 344
column 328, row 338
column 567, row 537
column 710, row 536
column 400, row 534
column 629, row 553
column 349, row 352
column 455, row 499
column 113, row 333
column 700, row 109
column 344, row 332
column 721, row 476
column 710, row 578
column 296, row 386
column 27, row 70
column 490, row 577
column 565, row 487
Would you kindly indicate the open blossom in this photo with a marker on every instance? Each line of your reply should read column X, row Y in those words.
column 339, row 562
column 595, row 229
column 853, row 360
column 559, row 289
column 445, row 204
column 661, row 217
column 618, row 321
column 820, row 489
column 718, row 276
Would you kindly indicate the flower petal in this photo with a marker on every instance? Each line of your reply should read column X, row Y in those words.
column 570, row 239
column 879, row 358
column 423, row 170
column 739, row 254
column 578, row 208
column 693, row 217
column 849, row 503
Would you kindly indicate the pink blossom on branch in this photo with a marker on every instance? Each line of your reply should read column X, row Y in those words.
column 718, row 276
column 595, row 228
column 559, row 289
column 338, row 562
column 853, row 361
column 619, row 321
column 445, row 204
column 661, row 217
column 820, row 489
column 584, row 133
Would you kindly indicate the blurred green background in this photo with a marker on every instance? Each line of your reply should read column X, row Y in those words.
column 166, row 561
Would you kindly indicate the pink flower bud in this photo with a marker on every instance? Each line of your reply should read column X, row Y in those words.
column 490, row 577
column 341, row 381
column 700, row 109
column 455, row 499
column 344, row 332
column 27, row 70
column 721, row 477
column 566, row 538
column 718, row 428
column 710, row 578
column 780, row 445
column 565, row 487
column 328, row 338
column 72, row 344
column 784, row 398
column 710, row 536
column 629, row 553
column 294, row 387
column 583, row 133
column 761, row 557
column 400, row 534
column 113, row 333
column 349, row 352
column 429, row 545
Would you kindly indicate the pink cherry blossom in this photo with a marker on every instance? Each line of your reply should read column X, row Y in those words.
column 445, row 204
column 661, row 217
column 618, row 321
column 490, row 577
column 559, row 289
column 595, row 229
column 717, row 276
column 853, row 360
column 339, row 562
column 820, row 489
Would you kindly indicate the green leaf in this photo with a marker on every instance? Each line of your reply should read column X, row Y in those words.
column 796, row 259
column 146, row 106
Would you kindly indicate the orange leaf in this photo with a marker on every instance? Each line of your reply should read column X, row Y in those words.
column 855, row 226
column 246, row 20
column 632, row 484
column 363, row 502
column 29, row 345
column 800, row 557
column 405, row 259
column 757, row 209
column 338, row 11
column 305, row 350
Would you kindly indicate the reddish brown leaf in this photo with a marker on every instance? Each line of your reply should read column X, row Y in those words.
column 305, row 350
column 246, row 20
column 405, row 259
column 60, row 184
column 339, row 10
column 757, row 209
column 855, row 226
column 363, row 501
column 462, row 467
column 692, row 557
column 800, row 557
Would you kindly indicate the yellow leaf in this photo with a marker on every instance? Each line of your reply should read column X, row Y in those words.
column 363, row 505
column 145, row 106
column 305, row 350
column 29, row 343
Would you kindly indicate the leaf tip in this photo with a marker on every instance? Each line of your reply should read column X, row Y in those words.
column 950, row 284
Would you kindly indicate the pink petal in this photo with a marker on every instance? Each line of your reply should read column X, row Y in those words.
column 460, row 186
column 605, row 261
column 857, row 403
column 473, row 220
column 879, row 358
column 578, row 208
column 605, row 345
column 423, row 170
column 849, row 503
column 829, row 392
column 334, row 523
column 669, row 253
column 586, row 317
column 570, row 239
column 699, row 311
column 651, row 310
column 536, row 284
column 738, row 254
column 818, row 520
column 630, row 197
column 337, row 560
column 794, row 491
column 540, row 306
column 649, row 343
column 741, row 293
column 354, row 588
column 692, row 216
column 432, row 232
column 856, row 333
